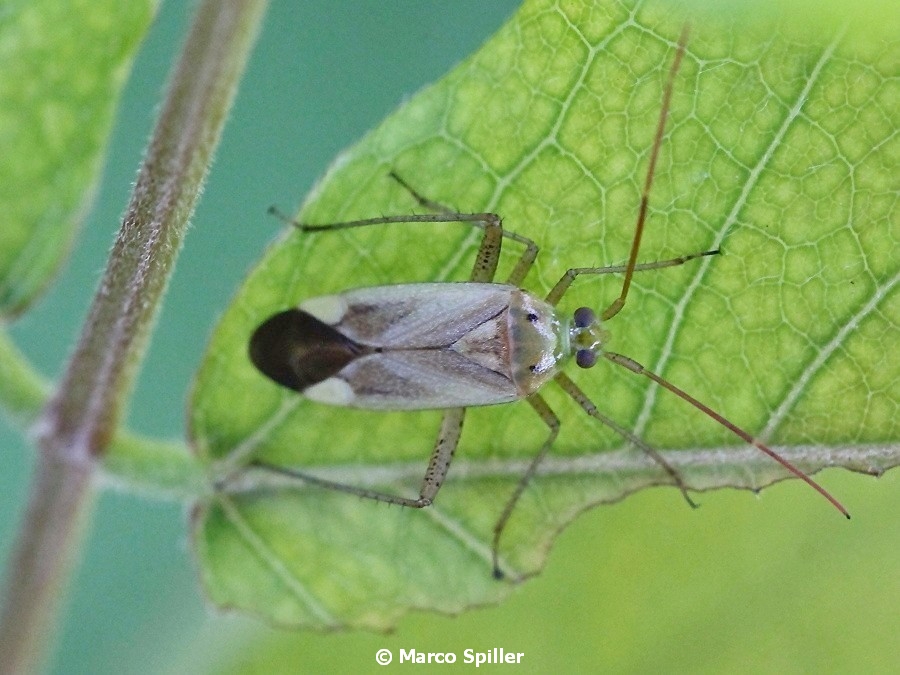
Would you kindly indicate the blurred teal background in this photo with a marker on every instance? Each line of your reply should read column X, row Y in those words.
column 756, row 585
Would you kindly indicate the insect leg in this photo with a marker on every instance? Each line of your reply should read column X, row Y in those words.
column 572, row 389
column 619, row 302
column 442, row 455
column 339, row 487
column 552, row 421
column 475, row 219
column 485, row 266
column 557, row 292
column 489, row 252
column 419, row 197
column 438, row 465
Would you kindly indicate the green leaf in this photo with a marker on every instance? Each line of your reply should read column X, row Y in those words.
column 780, row 149
column 64, row 64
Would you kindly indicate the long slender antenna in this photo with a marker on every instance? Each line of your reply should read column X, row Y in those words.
column 619, row 302
column 636, row 367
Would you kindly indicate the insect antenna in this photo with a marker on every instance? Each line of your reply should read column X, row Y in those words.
column 633, row 266
column 619, row 302
column 636, row 367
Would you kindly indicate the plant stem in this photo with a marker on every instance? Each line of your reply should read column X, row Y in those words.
column 61, row 499
column 156, row 468
column 81, row 419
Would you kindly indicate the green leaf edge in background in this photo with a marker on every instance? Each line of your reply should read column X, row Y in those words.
column 321, row 559
column 64, row 65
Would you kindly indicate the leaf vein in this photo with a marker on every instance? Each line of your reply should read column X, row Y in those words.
column 271, row 560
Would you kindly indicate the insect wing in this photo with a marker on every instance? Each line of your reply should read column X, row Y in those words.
column 421, row 380
column 426, row 346
column 417, row 316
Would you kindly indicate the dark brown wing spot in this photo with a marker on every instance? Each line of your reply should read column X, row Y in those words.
column 296, row 350
column 370, row 321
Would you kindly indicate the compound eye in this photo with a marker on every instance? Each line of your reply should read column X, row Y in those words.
column 585, row 358
column 584, row 317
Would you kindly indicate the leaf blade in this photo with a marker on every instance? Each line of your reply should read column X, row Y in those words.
column 64, row 65
column 558, row 171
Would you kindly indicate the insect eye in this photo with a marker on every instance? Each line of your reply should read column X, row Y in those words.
column 584, row 317
column 585, row 358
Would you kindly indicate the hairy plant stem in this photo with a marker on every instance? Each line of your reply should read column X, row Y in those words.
column 81, row 419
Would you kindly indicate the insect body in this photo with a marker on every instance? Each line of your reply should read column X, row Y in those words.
column 416, row 346
column 451, row 346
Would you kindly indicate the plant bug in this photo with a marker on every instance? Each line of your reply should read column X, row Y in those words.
column 450, row 346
